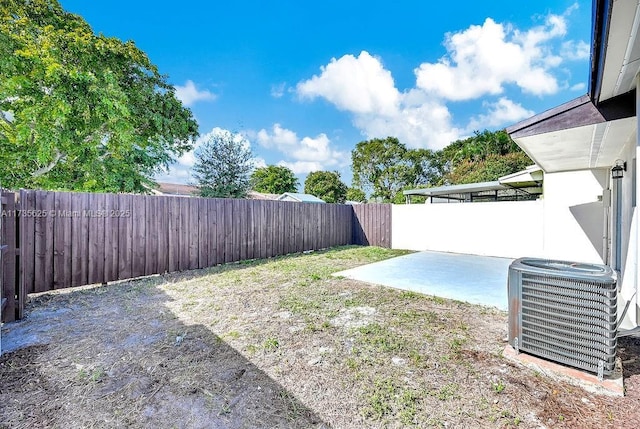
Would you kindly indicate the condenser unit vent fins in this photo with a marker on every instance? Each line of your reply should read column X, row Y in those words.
column 564, row 312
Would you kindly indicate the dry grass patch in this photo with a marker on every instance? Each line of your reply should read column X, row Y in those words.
column 280, row 343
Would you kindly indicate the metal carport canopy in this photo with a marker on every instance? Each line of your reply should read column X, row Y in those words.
column 456, row 189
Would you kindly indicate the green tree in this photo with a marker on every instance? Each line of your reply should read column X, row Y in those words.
column 424, row 168
column 80, row 111
column 357, row 195
column 485, row 156
column 223, row 165
column 489, row 169
column 386, row 167
column 326, row 185
column 274, row 179
column 382, row 166
column 400, row 198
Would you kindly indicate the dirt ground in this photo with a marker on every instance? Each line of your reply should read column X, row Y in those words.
column 281, row 343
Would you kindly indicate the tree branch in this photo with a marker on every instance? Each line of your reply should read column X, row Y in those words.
column 47, row 168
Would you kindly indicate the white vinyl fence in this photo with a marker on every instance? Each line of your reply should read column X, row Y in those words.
column 568, row 223
column 507, row 229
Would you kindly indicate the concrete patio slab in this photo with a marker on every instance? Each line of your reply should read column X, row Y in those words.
column 470, row 278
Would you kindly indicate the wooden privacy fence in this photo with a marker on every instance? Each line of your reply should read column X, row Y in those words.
column 372, row 225
column 74, row 239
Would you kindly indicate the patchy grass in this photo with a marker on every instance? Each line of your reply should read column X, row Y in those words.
column 271, row 344
column 381, row 339
column 280, row 343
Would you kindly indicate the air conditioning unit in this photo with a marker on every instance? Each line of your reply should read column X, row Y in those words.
column 564, row 312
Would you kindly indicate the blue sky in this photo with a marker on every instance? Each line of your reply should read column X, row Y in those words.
column 305, row 82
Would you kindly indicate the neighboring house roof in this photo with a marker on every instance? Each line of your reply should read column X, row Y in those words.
column 301, row 198
column 253, row 195
column 177, row 189
column 525, row 184
column 590, row 131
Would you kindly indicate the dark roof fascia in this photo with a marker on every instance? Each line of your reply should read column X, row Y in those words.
column 601, row 18
column 533, row 121
column 619, row 107
column 576, row 113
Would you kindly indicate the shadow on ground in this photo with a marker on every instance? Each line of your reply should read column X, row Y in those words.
column 115, row 356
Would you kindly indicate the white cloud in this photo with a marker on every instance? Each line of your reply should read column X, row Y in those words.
column 481, row 61
column 504, row 111
column 175, row 174
column 279, row 137
column 302, row 167
column 365, row 88
column 315, row 148
column 189, row 94
column 360, row 85
column 179, row 171
column 576, row 50
column 426, row 124
column 579, row 87
column 277, row 91
column 259, row 162
column 307, row 154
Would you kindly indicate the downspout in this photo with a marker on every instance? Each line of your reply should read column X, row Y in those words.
column 606, row 226
column 629, row 289
column 636, row 233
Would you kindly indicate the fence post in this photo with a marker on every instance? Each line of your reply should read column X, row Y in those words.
column 9, row 255
column 24, row 228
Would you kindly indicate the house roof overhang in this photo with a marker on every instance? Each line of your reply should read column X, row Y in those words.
column 579, row 134
column 615, row 51
column 591, row 131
